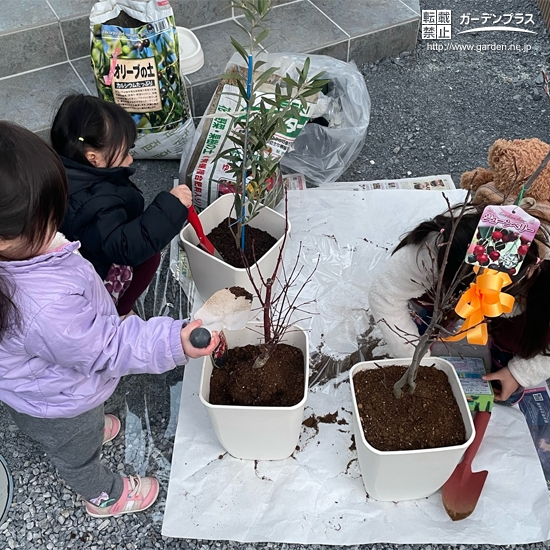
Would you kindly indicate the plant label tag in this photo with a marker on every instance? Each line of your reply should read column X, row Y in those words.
column 470, row 370
column 502, row 238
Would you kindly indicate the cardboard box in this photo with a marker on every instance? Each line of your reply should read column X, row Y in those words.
column 479, row 392
column 544, row 6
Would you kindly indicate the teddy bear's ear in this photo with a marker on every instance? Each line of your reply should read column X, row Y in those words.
column 476, row 178
column 499, row 147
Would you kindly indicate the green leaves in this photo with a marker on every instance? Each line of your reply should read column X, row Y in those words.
column 262, row 36
column 239, row 49
column 264, row 77
column 277, row 105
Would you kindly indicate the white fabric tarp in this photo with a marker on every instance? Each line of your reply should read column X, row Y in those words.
column 317, row 495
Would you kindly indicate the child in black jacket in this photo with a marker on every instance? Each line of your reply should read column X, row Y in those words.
column 106, row 212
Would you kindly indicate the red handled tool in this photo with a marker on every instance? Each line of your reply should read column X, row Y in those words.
column 461, row 491
column 204, row 242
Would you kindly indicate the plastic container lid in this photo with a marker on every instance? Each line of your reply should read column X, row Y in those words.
column 191, row 54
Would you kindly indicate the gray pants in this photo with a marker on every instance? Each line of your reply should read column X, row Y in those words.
column 74, row 446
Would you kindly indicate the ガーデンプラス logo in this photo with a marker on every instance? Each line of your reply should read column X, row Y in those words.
column 436, row 24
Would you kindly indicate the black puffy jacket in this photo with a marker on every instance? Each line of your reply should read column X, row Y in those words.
column 106, row 214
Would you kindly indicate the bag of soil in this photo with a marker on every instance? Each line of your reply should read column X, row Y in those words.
column 135, row 59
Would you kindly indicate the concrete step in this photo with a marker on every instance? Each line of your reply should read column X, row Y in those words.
column 44, row 44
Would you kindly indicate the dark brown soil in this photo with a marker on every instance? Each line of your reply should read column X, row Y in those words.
column 125, row 20
column 256, row 243
column 279, row 383
column 240, row 291
column 427, row 419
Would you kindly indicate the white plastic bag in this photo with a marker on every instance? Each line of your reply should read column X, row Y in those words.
column 323, row 153
column 135, row 58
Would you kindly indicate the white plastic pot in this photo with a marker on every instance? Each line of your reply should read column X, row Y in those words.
column 211, row 274
column 191, row 55
column 257, row 433
column 407, row 475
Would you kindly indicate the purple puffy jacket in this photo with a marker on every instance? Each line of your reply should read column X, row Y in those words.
column 71, row 349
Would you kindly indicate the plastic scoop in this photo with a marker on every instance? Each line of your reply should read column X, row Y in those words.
column 462, row 490
column 229, row 308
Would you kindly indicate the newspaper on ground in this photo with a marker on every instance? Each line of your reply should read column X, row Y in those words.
column 535, row 406
column 427, row 183
column 294, row 182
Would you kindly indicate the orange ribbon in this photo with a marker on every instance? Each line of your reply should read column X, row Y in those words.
column 483, row 299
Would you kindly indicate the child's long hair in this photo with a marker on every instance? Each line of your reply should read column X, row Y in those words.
column 85, row 122
column 33, row 199
column 535, row 338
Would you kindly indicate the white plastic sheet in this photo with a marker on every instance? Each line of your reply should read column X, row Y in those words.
column 353, row 232
column 317, row 495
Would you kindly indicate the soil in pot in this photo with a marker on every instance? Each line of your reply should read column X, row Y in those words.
column 427, row 419
column 279, row 383
column 256, row 243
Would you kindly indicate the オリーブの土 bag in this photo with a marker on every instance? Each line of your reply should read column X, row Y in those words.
column 135, row 59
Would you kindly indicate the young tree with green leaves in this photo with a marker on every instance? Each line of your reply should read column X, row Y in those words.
column 250, row 159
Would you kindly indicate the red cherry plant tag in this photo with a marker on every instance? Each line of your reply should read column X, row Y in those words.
column 502, row 238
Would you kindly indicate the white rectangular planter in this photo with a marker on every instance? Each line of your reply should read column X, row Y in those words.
column 211, row 274
column 257, row 433
column 407, row 475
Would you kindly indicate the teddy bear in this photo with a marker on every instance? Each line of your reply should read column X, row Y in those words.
column 510, row 165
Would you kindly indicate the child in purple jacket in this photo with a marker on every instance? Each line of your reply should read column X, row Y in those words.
column 63, row 347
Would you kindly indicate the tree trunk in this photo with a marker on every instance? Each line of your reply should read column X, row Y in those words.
column 409, row 376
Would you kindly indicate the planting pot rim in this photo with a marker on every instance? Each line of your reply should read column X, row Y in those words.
column 366, row 365
column 301, row 403
column 218, row 260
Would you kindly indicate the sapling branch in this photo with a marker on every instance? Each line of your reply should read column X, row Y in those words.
column 408, row 337
column 443, row 298
column 273, row 294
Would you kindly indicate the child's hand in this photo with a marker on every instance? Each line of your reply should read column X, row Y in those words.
column 192, row 351
column 508, row 384
column 183, row 193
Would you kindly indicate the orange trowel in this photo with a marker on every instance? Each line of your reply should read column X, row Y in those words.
column 462, row 490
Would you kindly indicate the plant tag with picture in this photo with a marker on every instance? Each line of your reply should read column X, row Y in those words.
column 502, row 238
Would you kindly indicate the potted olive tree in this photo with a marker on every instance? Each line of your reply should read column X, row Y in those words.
column 252, row 158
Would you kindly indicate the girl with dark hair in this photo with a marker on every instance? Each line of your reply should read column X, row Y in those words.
column 518, row 341
column 106, row 211
column 63, row 347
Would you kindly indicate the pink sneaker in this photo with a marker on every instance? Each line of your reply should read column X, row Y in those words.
column 112, row 427
column 138, row 494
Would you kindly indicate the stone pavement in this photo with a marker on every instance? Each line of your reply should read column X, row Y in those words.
column 44, row 44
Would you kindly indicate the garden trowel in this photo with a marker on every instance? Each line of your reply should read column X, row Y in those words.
column 461, row 491
column 204, row 241
column 229, row 308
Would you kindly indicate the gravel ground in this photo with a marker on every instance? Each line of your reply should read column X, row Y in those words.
column 439, row 112
column 432, row 113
